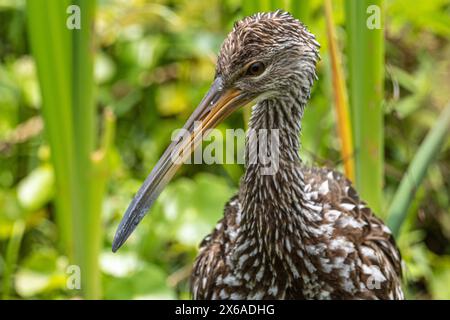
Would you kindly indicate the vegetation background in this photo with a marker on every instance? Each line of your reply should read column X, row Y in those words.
column 83, row 119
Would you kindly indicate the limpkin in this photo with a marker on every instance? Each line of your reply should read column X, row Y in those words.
column 300, row 233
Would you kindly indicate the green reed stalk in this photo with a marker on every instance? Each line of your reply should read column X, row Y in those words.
column 64, row 61
column 366, row 76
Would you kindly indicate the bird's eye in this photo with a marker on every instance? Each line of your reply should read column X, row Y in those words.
column 255, row 69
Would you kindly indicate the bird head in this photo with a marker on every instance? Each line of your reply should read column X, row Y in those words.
column 263, row 56
column 268, row 54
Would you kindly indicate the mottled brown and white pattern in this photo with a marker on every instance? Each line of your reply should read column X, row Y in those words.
column 302, row 233
column 292, row 232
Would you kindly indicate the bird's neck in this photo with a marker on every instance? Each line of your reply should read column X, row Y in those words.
column 272, row 195
column 272, row 157
column 274, row 132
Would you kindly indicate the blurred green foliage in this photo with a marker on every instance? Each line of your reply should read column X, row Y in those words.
column 155, row 61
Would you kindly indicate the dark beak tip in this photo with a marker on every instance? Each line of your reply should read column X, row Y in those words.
column 117, row 242
column 115, row 248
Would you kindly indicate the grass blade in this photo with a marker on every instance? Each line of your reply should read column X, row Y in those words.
column 12, row 253
column 46, row 27
column 340, row 96
column 87, row 231
column 413, row 177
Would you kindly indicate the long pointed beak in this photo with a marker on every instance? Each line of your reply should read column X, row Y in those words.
column 216, row 105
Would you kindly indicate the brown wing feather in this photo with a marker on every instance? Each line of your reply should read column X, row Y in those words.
column 375, row 246
column 375, row 234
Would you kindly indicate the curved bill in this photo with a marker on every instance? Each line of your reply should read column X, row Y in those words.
column 217, row 104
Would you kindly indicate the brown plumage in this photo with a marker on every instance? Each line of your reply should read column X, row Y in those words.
column 358, row 259
column 293, row 233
